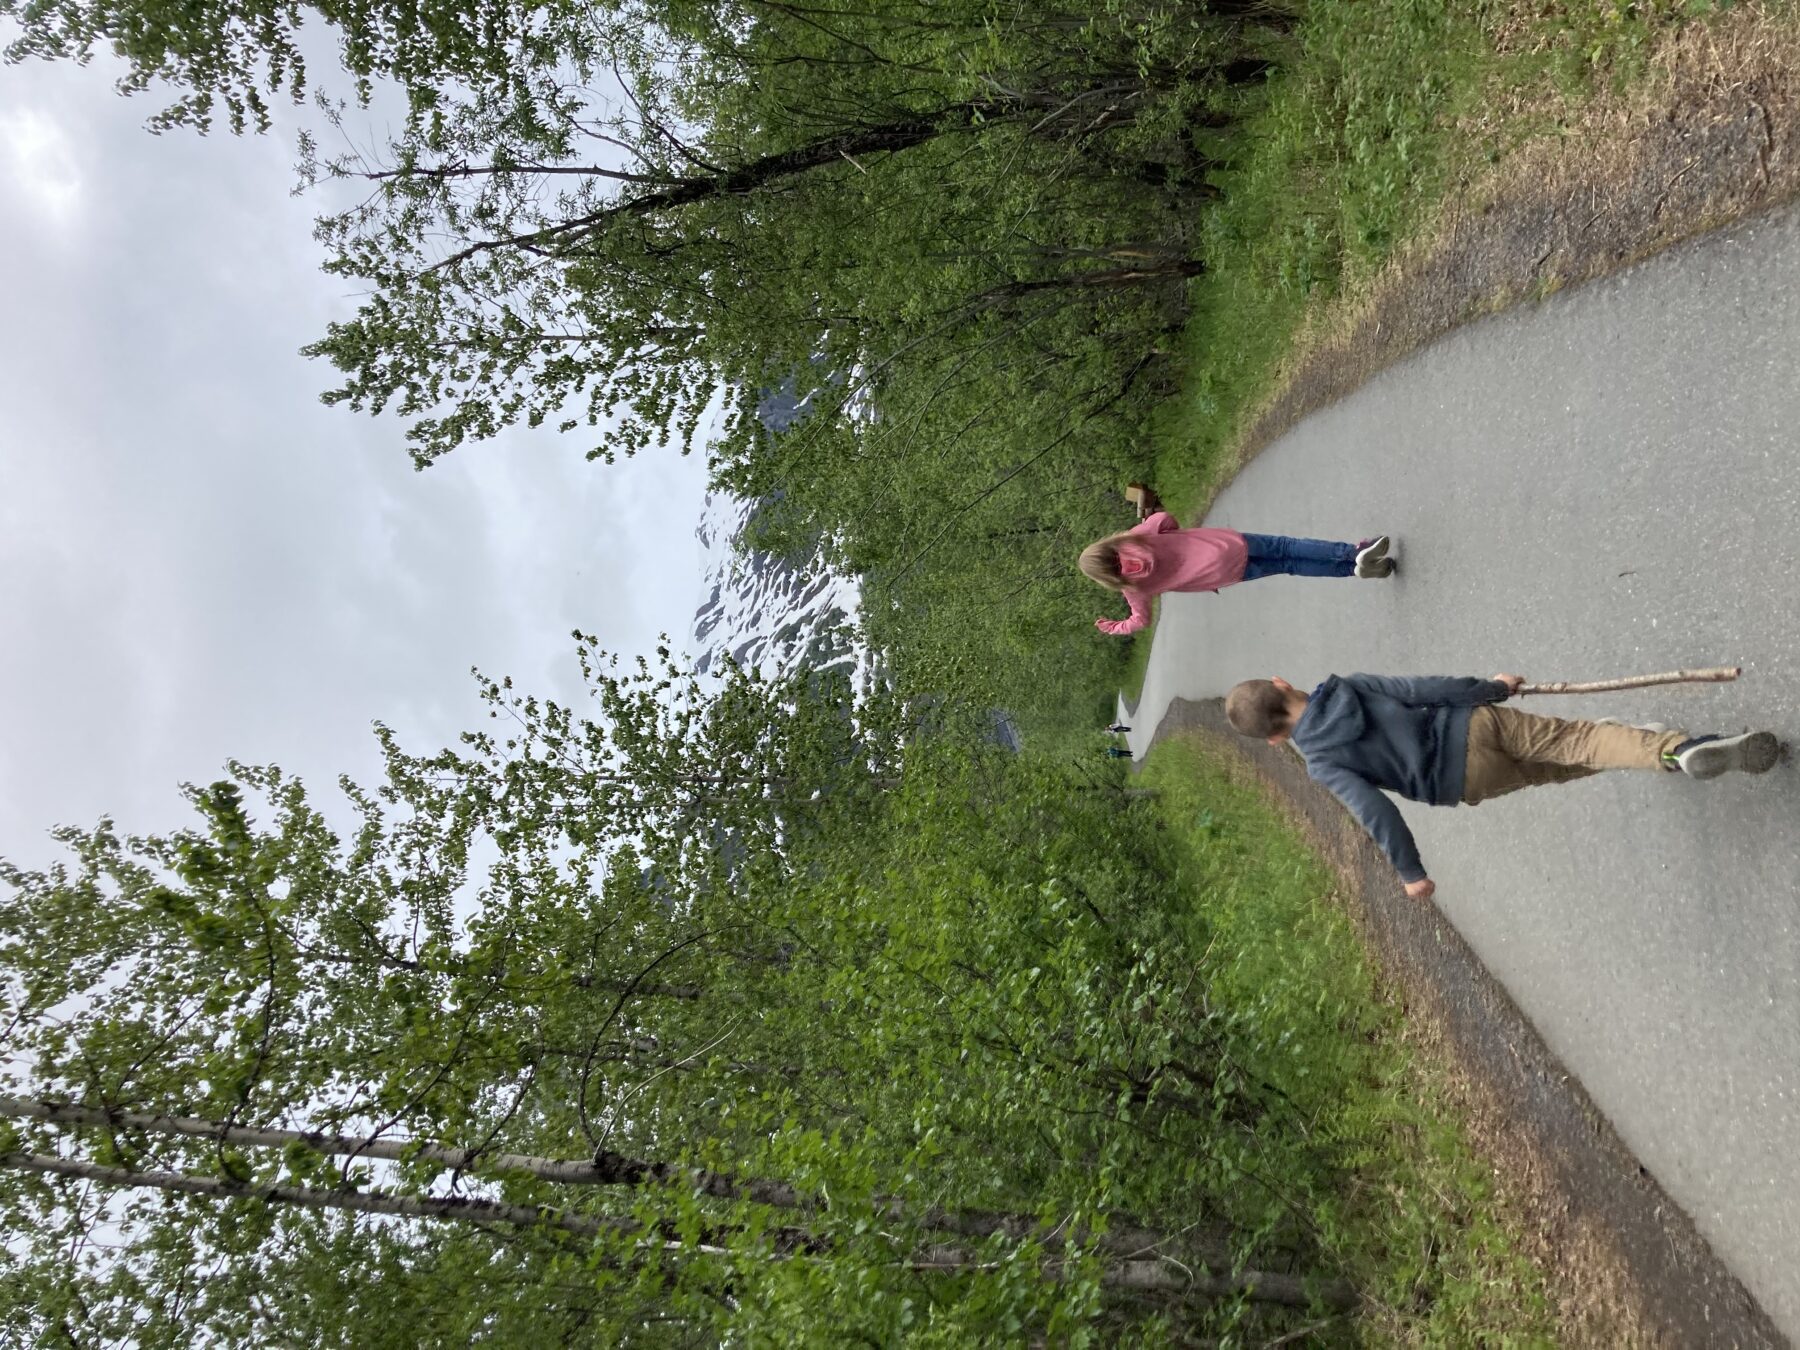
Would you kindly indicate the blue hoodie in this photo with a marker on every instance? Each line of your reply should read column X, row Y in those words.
column 1365, row 733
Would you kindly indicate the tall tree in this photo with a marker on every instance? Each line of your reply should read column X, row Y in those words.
column 639, row 204
column 960, row 233
column 711, row 1008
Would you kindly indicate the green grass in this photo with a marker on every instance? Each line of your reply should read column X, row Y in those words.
column 1411, row 1212
column 1347, row 156
column 1137, row 660
column 1360, row 137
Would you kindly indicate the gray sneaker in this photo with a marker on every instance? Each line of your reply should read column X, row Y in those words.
column 1371, row 554
column 1752, row 752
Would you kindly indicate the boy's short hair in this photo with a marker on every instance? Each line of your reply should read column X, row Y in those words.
column 1257, row 708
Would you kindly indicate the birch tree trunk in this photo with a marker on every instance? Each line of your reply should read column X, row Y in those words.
column 464, row 1208
column 606, row 1169
column 1164, row 1277
column 1139, row 1271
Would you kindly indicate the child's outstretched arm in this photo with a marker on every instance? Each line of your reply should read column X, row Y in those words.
column 1377, row 814
column 1420, row 690
column 1140, row 616
column 1158, row 522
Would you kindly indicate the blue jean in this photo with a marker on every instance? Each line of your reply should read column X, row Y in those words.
column 1277, row 554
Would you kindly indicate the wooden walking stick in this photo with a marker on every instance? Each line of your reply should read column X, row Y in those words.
column 1711, row 675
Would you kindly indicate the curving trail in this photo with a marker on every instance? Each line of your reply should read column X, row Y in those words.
column 1604, row 484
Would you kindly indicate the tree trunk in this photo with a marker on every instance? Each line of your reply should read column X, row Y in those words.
column 1173, row 270
column 1149, row 1277
column 562, row 1171
column 785, row 1242
column 464, row 1208
column 1139, row 1276
column 606, row 1169
column 1170, row 1278
column 842, row 147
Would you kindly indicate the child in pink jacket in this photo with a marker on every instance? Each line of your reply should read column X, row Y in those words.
column 1158, row 555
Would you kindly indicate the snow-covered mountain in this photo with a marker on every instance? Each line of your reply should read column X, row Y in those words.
column 764, row 612
column 776, row 615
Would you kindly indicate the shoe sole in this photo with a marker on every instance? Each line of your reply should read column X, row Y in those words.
column 1372, row 552
column 1753, row 752
column 1376, row 568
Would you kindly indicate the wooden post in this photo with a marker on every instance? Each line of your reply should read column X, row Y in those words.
column 1143, row 500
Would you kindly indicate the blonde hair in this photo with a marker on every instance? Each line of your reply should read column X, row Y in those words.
column 1100, row 562
column 1257, row 708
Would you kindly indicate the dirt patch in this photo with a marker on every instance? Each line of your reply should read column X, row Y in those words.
column 1628, row 1266
column 1710, row 134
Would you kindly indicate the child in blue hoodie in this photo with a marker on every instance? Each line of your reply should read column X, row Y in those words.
column 1442, row 740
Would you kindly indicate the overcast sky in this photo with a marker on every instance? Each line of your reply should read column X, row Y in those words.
column 200, row 560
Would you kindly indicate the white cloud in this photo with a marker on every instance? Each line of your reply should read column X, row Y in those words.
column 40, row 164
column 200, row 560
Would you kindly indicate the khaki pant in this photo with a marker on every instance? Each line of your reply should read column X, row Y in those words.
column 1510, row 750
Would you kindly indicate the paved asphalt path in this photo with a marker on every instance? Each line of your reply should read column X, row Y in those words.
column 1604, row 484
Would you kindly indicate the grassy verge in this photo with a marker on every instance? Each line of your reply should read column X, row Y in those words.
column 1387, row 107
column 1411, row 1212
column 1137, row 660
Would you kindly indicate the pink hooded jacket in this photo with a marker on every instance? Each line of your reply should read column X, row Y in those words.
column 1161, row 556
